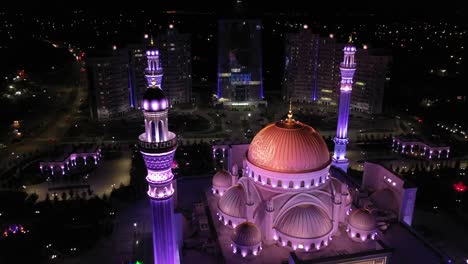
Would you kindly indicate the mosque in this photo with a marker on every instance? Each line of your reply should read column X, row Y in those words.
column 285, row 198
column 286, row 195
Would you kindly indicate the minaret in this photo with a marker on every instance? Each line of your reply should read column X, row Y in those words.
column 347, row 69
column 158, row 146
column 154, row 71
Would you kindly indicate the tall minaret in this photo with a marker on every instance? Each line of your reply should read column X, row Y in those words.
column 158, row 146
column 153, row 72
column 347, row 69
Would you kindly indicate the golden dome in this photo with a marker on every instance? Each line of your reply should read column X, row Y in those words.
column 289, row 146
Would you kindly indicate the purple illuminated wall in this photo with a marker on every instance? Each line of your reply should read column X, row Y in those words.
column 164, row 239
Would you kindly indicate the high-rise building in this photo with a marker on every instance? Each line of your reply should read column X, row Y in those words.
column 312, row 75
column 158, row 145
column 175, row 58
column 240, row 79
column 137, row 66
column 371, row 79
column 347, row 68
column 108, row 83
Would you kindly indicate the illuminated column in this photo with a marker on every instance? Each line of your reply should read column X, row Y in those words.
column 158, row 146
column 347, row 69
column 158, row 157
column 270, row 237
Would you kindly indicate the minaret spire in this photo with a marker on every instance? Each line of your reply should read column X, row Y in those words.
column 290, row 114
column 154, row 71
column 347, row 69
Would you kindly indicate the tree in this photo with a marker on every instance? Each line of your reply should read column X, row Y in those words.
column 64, row 196
column 33, row 198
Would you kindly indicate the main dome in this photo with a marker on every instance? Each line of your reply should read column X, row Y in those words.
column 289, row 146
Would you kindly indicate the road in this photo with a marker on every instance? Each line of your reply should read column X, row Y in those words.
column 57, row 125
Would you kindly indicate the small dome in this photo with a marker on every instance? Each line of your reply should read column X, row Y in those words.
column 362, row 219
column 289, row 146
column 246, row 234
column 232, row 203
column 154, row 100
column 222, row 179
column 305, row 221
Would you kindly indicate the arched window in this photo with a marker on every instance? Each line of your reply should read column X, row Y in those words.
column 160, row 130
column 289, row 244
column 153, row 131
column 230, row 223
column 358, row 235
column 312, row 182
column 268, row 181
column 280, row 184
column 259, row 178
column 291, row 184
column 302, row 184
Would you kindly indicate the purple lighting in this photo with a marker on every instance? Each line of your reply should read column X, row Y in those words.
column 158, row 146
column 347, row 68
column 154, row 105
